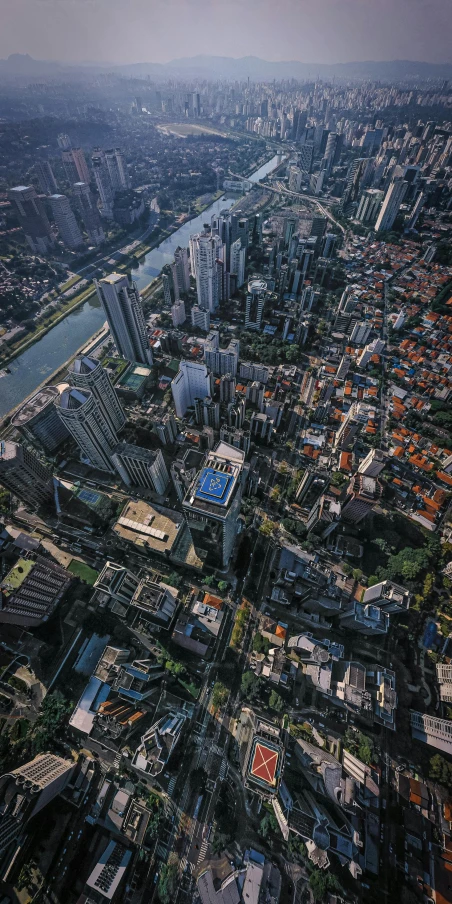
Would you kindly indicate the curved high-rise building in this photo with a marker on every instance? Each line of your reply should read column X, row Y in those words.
column 38, row 419
column 87, row 373
column 83, row 418
column 205, row 251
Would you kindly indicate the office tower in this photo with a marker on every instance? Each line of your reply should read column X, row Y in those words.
column 182, row 269
column 207, row 412
column 360, row 332
column 141, row 468
column 239, row 229
column 70, row 169
column 318, row 229
column 391, row 205
column 88, row 374
column 38, row 420
column 123, row 309
column 205, row 250
column 362, row 495
column 289, row 229
column 255, row 300
column 238, row 260
column 219, row 360
column 357, row 178
column 103, row 183
column 64, row 142
column 25, row 791
column 200, row 318
column 23, row 475
column 373, row 463
column 166, row 429
column 32, row 217
column 369, row 206
column 65, row 220
column 333, row 151
column 46, row 179
column 166, row 283
column 191, row 382
column 85, row 421
column 117, row 169
column 212, row 505
column 329, row 245
column 178, row 314
column 227, row 388
column 306, row 157
column 87, row 208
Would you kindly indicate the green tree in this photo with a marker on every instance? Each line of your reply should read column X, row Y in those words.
column 268, row 826
column 168, row 881
column 261, row 644
column 51, row 721
column 174, row 579
column 222, row 586
column 441, row 771
column 250, row 685
column 276, row 702
column 322, row 882
column 220, row 695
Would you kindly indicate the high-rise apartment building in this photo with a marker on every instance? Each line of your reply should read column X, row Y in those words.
column 141, row 468
column 89, row 213
column 85, row 421
column 46, row 178
column 81, row 165
column 38, row 420
column 207, row 412
column 369, row 206
column 219, row 360
column 255, row 300
column 391, row 205
column 65, row 220
column 32, row 217
column 227, row 388
column 63, row 141
column 373, row 463
column 190, row 383
column 87, row 373
column 212, row 504
column 205, row 251
column 200, row 318
column 117, row 169
column 363, row 493
column 22, row 474
column 237, row 262
column 178, row 314
column 124, row 311
column 167, row 294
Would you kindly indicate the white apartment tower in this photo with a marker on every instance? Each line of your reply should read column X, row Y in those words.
column 255, row 304
column 117, row 169
column 190, row 383
column 238, row 261
column 122, row 305
column 178, row 315
column 205, row 251
column 391, row 205
column 87, row 208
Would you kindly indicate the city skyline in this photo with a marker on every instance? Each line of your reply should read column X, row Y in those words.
column 329, row 32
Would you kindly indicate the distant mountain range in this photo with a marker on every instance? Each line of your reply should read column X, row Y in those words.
column 216, row 67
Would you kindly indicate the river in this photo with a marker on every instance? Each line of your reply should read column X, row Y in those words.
column 31, row 368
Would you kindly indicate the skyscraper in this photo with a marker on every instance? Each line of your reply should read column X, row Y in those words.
column 117, row 169
column 212, row 504
column 255, row 303
column 391, row 205
column 369, row 206
column 103, row 183
column 205, row 250
column 22, row 474
column 80, row 165
column 46, row 178
column 65, row 220
column 38, row 420
column 84, row 419
column 141, row 467
column 178, row 313
column 122, row 305
column 190, row 383
column 32, row 217
column 89, row 213
column 238, row 260
column 182, row 269
column 26, row 790
column 87, row 373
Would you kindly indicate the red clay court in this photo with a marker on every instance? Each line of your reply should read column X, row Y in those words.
column 264, row 764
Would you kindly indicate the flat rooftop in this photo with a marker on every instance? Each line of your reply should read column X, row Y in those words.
column 35, row 405
column 214, row 486
column 149, row 526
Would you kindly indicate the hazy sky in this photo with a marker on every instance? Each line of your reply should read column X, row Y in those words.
column 324, row 31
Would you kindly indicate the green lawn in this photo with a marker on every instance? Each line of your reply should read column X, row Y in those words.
column 82, row 571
